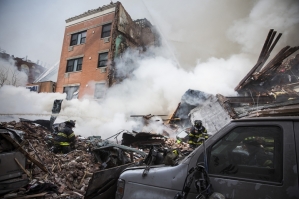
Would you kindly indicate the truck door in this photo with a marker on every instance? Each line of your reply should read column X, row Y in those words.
column 255, row 160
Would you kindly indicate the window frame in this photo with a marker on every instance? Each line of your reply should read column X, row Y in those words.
column 104, row 90
column 74, row 65
column 68, row 97
column 277, row 157
column 106, row 33
column 101, row 61
column 78, row 38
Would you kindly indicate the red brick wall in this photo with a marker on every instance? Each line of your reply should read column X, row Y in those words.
column 90, row 49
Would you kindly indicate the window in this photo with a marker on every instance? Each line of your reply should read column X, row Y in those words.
column 103, row 59
column 249, row 152
column 74, row 65
column 72, row 92
column 78, row 38
column 100, row 89
column 106, row 29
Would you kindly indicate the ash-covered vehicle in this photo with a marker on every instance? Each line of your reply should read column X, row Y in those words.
column 248, row 158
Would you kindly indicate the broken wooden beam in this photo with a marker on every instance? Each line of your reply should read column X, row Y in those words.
column 264, row 49
column 226, row 105
column 268, row 53
column 25, row 171
column 251, row 99
column 247, row 77
column 38, row 156
column 277, row 60
column 264, row 55
column 174, row 113
column 281, row 111
column 39, row 195
column 18, row 147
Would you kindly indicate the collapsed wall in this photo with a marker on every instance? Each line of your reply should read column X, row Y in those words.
column 212, row 115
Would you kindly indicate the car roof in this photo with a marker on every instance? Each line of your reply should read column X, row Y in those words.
column 277, row 118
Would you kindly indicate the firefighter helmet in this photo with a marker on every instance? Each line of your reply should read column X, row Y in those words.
column 71, row 123
column 197, row 123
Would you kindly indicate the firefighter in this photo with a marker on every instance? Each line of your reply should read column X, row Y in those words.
column 257, row 153
column 197, row 131
column 65, row 138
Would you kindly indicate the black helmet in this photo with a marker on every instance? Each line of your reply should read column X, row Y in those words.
column 197, row 123
column 71, row 123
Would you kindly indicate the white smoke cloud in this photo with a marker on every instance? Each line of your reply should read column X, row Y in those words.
column 157, row 82
column 155, row 87
column 19, row 100
column 282, row 16
column 10, row 75
column 204, row 29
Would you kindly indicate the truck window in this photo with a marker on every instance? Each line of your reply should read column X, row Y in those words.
column 253, row 153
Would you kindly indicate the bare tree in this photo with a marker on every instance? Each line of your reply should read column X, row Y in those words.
column 10, row 75
column 3, row 76
column 14, row 78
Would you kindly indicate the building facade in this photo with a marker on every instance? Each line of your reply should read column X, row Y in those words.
column 91, row 43
column 42, row 87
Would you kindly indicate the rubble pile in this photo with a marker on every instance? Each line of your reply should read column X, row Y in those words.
column 69, row 172
column 172, row 143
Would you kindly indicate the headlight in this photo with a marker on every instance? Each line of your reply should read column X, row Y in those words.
column 120, row 189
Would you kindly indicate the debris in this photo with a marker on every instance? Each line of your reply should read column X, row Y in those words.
column 82, row 178
column 25, row 171
column 142, row 139
column 65, row 171
column 71, row 172
column 42, row 167
column 11, row 195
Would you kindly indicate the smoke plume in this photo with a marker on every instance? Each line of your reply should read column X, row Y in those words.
column 10, row 75
column 216, row 45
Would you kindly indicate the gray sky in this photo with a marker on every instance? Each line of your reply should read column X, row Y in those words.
column 193, row 29
column 35, row 28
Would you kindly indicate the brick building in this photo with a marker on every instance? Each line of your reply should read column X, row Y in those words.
column 92, row 41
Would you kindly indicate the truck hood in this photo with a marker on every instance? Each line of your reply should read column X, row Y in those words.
column 160, row 176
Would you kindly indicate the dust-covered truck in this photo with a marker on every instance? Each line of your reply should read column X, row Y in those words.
column 248, row 158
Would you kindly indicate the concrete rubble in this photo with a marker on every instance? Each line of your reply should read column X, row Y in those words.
column 68, row 174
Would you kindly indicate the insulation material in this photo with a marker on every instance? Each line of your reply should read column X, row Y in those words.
column 212, row 114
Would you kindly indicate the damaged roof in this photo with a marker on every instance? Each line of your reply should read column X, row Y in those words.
column 269, row 89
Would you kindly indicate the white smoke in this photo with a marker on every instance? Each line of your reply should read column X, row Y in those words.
column 204, row 29
column 154, row 87
column 282, row 16
column 19, row 100
column 10, row 75
column 226, row 47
